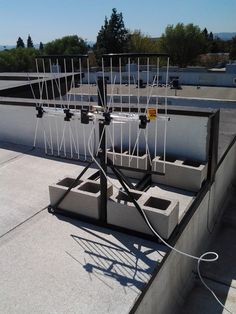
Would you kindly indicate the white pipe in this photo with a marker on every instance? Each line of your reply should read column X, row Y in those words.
column 165, row 130
column 46, row 87
column 45, row 144
column 57, row 137
column 85, row 152
column 36, row 131
column 53, row 92
column 62, row 138
column 81, row 82
column 121, row 127
column 103, row 80
column 59, row 81
column 88, row 79
column 77, row 137
column 148, row 87
column 50, row 134
column 37, row 69
column 70, row 140
column 155, row 148
column 66, row 82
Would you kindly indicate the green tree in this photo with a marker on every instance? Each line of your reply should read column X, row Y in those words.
column 41, row 46
column 184, row 43
column 18, row 60
column 20, row 43
column 205, row 33
column 30, row 42
column 211, row 36
column 232, row 52
column 113, row 36
column 139, row 42
column 66, row 45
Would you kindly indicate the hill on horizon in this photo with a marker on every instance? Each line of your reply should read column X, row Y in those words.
column 225, row 35
column 3, row 47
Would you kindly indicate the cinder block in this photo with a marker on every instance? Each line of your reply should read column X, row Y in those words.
column 84, row 199
column 124, row 159
column 67, row 181
column 118, row 159
column 187, row 175
column 122, row 212
column 58, row 189
column 163, row 213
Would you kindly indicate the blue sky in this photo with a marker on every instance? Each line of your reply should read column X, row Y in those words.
column 46, row 20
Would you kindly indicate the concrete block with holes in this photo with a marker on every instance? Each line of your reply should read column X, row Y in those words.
column 84, row 199
column 162, row 213
column 184, row 174
column 117, row 158
column 135, row 161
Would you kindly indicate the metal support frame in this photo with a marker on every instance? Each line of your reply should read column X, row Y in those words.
column 102, row 101
column 104, row 161
column 103, row 179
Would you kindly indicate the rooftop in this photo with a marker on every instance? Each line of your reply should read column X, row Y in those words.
column 228, row 93
column 58, row 264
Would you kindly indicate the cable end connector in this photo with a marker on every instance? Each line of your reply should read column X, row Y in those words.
column 107, row 118
column 84, row 116
column 143, row 121
column 40, row 111
column 68, row 115
column 51, row 209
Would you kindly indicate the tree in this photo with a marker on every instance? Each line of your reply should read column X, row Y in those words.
column 40, row 46
column 211, row 36
column 183, row 43
column 139, row 42
column 113, row 36
column 66, row 45
column 20, row 43
column 29, row 42
column 205, row 33
column 18, row 60
column 232, row 52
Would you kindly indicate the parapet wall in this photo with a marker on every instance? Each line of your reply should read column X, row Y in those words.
column 173, row 281
column 18, row 123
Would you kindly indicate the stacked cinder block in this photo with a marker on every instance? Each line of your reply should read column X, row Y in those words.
column 162, row 213
column 140, row 162
column 83, row 199
column 184, row 174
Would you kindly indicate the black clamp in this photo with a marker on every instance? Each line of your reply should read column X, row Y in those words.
column 107, row 118
column 68, row 115
column 84, row 116
column 143, row 121
column 40, row 111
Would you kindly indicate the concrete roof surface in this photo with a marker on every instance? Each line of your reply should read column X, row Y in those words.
column 10, row 84
column 52, row 264
column 228, row 93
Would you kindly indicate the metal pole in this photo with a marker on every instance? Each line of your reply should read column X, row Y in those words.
column 103, row 178
column 102, row 92
column 102, row 100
